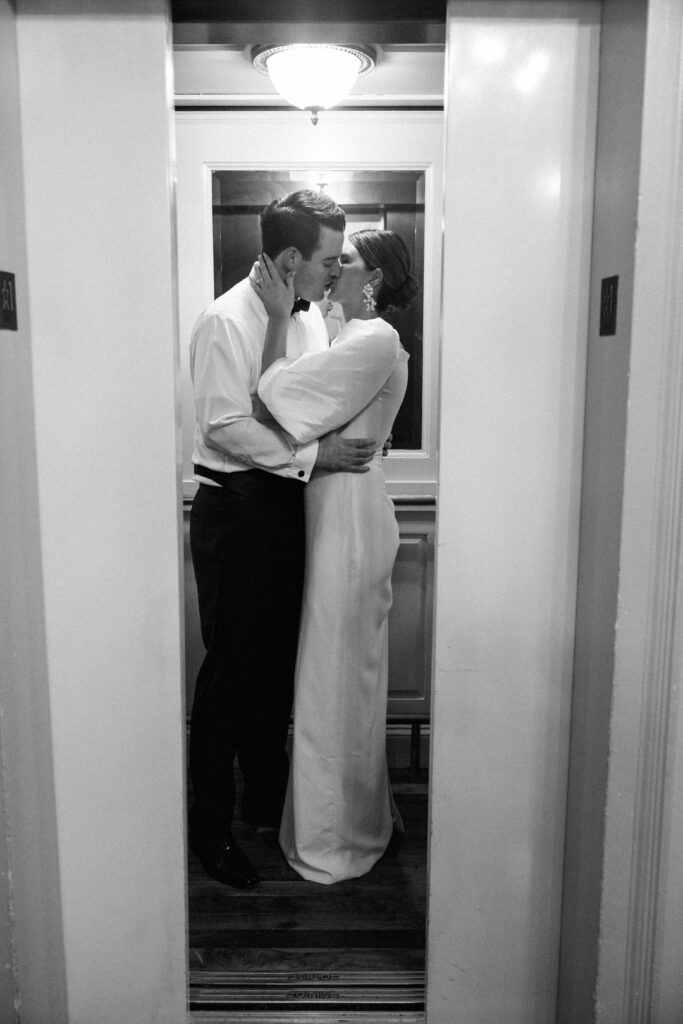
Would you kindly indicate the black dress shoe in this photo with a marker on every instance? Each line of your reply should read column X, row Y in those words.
column 228, row 864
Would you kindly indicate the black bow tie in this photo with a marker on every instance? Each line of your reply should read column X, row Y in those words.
column 300, row 304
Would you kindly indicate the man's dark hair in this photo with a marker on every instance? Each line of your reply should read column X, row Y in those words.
column 296, row 220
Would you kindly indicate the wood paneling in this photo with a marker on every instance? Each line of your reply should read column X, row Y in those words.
column 410, row 621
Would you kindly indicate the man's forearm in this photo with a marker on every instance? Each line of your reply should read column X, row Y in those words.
column 258, row 445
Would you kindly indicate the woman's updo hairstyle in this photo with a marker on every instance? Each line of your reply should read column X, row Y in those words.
column 388, row 252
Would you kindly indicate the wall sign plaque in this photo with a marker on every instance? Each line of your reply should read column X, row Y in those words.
column 8, row 302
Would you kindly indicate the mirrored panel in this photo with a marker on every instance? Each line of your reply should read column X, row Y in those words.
column 392, row 200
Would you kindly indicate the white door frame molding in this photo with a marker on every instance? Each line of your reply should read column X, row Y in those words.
column 639, row 976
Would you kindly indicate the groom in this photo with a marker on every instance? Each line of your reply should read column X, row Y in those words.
column 247, row 535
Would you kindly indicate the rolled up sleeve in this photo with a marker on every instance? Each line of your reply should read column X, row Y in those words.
column 224, row 367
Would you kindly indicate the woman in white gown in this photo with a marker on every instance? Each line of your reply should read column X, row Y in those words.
column 339, row 814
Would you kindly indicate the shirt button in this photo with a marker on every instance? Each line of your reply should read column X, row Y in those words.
column 301, row 473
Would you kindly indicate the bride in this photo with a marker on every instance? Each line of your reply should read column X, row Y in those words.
column 339, row 813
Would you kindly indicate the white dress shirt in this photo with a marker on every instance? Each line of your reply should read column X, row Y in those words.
column 234, row 431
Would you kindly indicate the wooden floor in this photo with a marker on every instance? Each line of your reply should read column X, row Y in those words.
column 293, row 945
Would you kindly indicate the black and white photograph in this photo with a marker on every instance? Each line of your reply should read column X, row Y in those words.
column 340, row 546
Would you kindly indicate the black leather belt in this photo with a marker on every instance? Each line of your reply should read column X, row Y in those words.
column 241, row 476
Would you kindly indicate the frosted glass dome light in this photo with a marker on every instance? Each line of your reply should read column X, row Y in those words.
column 313, row 76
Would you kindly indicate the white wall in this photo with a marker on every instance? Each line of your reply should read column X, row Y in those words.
column 95, row 102
column 32, row 964
column 521, row 108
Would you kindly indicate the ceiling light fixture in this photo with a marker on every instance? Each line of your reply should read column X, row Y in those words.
column 313, row 76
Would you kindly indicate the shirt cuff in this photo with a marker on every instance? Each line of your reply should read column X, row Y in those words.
column 303, row 462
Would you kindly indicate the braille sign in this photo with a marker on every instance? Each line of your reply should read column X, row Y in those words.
column 608, row 306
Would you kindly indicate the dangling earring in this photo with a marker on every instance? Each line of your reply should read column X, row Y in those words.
column 369, row 300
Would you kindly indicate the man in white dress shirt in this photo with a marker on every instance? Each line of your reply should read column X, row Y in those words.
column 247, row 534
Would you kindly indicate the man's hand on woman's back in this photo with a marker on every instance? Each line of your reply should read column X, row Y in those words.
column 345, row 454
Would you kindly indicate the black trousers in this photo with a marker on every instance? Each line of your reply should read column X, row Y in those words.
column 247, row 541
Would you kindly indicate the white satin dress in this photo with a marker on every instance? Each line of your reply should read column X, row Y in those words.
column 339, row 814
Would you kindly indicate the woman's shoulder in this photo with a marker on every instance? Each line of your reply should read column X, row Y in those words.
column 376, row 330
column 372, row 344
column 381, row 327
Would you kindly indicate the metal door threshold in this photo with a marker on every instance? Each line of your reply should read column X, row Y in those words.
column 329, row 996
